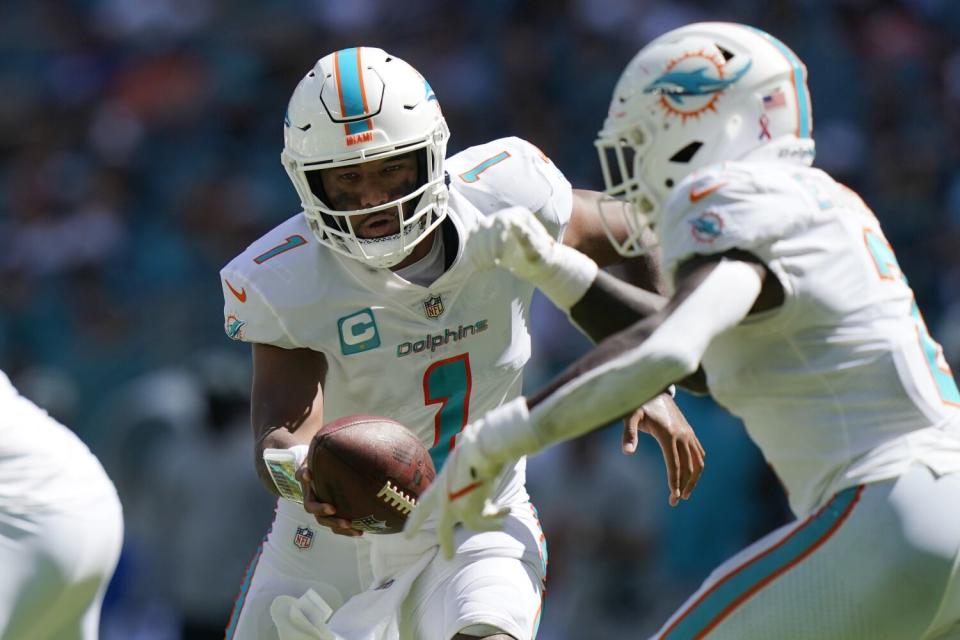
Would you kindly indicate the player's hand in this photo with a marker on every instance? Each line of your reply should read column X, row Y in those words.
column 484, row 244
column 525, row 244
column 323, row 512
column 511, row 238
column 683, row 455
column 461, row 493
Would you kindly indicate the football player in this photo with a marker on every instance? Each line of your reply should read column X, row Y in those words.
column 61, row 526
column 378, row 300
column 788, row 295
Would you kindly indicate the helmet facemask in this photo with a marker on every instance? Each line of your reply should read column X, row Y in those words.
column 621, row 156
column 419, row 211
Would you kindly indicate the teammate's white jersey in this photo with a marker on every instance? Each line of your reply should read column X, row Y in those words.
column 842, row 384
column 43, row 465
column 61, row 526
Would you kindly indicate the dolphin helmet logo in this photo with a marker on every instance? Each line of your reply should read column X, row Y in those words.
column 693, row 83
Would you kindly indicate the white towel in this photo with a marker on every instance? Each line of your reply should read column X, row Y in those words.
column 302, row 618
column 370, row 615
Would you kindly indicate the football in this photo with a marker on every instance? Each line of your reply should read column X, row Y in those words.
column 372, row 469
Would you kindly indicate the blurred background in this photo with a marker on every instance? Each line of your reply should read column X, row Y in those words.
column 140, row 145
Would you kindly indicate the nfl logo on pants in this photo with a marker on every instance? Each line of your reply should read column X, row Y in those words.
column 303, row 538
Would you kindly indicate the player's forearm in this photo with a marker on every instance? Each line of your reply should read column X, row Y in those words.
column 279, row 438
column 623, row 372
column 644, row 272
column 715, row 302
column 608, row 383
column 286, row 401
column 598, row 223
column 611, row 305
column 597, row 302
column 629, row 368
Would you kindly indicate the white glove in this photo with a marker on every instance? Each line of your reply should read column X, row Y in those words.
column 485, row 242
column 461, row 492
column 302, row 618
column 524, row 243
column 528, row 251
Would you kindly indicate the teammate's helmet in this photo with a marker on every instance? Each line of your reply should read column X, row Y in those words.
column 354, row 106
column 697, row 95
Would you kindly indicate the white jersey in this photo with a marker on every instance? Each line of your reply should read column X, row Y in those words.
column 432, row 357
column 43, row 465
column 842, row 384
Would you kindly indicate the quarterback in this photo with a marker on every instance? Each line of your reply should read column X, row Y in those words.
column 61, row 526
column 787, row 294
column 379, row 299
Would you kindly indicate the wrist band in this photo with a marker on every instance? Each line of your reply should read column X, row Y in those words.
column 282, row 464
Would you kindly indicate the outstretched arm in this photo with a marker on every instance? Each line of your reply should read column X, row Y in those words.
column 713, row 295
column 610, row 304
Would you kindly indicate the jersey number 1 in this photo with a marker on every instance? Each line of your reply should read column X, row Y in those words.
column 448, row 383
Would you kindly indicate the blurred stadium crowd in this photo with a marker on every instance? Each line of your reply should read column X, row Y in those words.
column 140, row 143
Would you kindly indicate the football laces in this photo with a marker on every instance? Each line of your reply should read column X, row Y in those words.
column 393, row 496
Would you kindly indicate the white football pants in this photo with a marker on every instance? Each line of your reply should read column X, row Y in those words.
column 876, row 562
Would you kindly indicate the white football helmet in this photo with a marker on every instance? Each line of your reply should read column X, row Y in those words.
column 697, row 95
column 354, row 106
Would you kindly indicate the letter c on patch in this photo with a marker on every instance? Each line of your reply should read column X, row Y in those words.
column 358, row 332
column 357, row 329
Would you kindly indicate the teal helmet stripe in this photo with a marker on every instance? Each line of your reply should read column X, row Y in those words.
column 353, row 102
column 803, row 95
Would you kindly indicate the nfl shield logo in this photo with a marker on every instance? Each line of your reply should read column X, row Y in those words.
column 303, row 538
column 433, row 306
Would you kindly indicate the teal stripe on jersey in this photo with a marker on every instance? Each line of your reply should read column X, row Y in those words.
column 350, row 90
column 743, row 582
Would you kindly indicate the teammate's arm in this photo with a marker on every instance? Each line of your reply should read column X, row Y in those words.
column 286, row 409
column 594, row 221
column 673, row 340
column 603, row 311
column 602, row 305
column 633, row 365
column 713, row 294
column 611, row 305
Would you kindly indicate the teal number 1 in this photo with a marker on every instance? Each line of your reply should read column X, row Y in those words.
column 292, row 242
column 889, row 269
column 448, row 383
